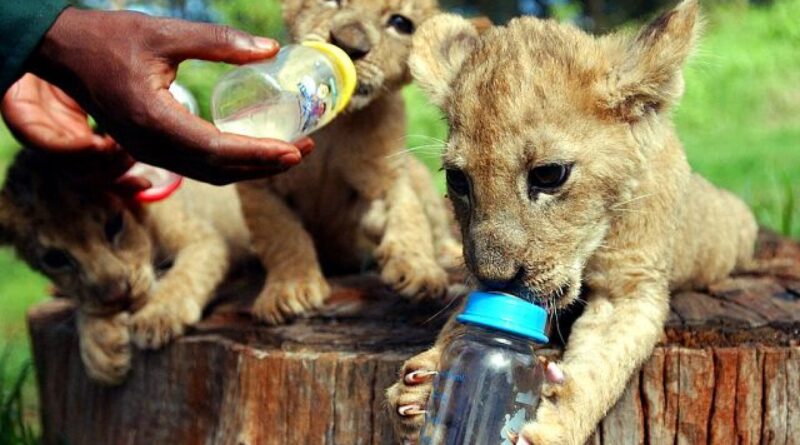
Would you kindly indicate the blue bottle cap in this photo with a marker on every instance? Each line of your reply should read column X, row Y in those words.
column 507, row 313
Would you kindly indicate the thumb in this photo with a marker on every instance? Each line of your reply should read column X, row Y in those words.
column 188, row 40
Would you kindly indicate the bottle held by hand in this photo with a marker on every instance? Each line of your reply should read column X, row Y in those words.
column 489, row 381
column 299, row 91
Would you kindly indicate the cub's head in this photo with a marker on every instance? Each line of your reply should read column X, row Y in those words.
column 91, row 244
column 376, row 34
column 549, row 128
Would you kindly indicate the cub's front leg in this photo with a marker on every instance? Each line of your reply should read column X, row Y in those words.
column 295, row 283
column 201, row 259
column 613, row 337
column 105, row 346
column 406, row 251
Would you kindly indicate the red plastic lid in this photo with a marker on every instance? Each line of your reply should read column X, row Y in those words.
column 164, row 182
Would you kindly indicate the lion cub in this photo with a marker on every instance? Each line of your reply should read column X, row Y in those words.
column 566, row 172
column 359, row 197
column 107, row 253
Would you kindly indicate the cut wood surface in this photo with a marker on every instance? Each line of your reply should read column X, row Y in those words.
column 727, row 371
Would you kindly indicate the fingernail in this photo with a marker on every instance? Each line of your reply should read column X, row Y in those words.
column 265, row 43
column 554, row 374
column 290, row 158
column 305, row 145
column 99, row 141
column 410, row 410
column 417, row 377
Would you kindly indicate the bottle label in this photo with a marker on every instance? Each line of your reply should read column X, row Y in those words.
column 316, row 101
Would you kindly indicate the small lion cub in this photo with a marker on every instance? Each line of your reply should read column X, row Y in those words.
column 107, row 254
column 566, row 174
column 359, row 197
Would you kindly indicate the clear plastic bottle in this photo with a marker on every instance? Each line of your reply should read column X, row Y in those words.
column 489, row 378
column 300, row 90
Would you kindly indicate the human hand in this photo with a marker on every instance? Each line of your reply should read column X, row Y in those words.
column 118, row 66
column 42, row 116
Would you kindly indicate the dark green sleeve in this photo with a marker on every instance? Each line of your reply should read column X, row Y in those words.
column 23, row 23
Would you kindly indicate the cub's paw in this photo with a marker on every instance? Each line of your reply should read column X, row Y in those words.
column 412, row 275
column 556, row 423
column 550, row 428
column 105, row 348
column 285, row 298
column 161, row 321
column 409, row 396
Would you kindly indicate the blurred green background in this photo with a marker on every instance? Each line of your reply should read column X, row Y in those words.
column 739, row 121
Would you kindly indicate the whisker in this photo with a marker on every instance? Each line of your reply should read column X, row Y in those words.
column 626, row 210
column 633, row 199
column 440, row 311
column 426, row 136
column 419, row 149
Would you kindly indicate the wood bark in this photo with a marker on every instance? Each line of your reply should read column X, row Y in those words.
column 726, row 372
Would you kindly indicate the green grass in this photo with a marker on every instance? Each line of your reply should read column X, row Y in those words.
column 740, row 117
column 15, row 425
column 739, row 121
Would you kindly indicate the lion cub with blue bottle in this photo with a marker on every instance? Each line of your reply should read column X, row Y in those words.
column 566, row 173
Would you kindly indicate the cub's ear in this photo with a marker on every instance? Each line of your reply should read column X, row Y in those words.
column 647, row 77
column 439, row 49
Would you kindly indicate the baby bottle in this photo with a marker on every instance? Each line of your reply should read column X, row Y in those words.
column 291, row 95
column 489, row 378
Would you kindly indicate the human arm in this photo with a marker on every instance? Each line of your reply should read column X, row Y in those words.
column 22, row 26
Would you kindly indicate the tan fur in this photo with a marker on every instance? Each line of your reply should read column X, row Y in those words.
column 359, row 197
column 629, row 224
column 199, row 230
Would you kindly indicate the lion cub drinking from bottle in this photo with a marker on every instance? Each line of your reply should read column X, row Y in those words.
column 359, row 197
column 108, row 253
column 566, row 172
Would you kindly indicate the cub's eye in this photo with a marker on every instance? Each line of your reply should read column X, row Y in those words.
column 114, row 227
column 457, row 182
column 546, row 178
column 55, row 259
column 401, row 23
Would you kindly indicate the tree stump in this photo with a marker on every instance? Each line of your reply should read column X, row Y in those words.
column 727, row 371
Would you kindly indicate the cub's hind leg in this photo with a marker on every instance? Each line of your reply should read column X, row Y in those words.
column 295, row 283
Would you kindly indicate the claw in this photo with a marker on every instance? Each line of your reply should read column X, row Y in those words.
column 410, row 410
column 417, row 377
column 552, row 371
column 512, row 436
column 522, row 441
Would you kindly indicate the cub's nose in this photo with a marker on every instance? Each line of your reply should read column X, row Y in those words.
column 496, row 279
column 116, row 294
column 352, row 39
